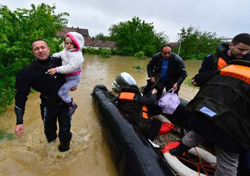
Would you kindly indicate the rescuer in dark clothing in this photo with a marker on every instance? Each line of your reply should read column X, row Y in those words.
column 226, row 52
column 52, row 107
column 220, row 115
column 237, row 49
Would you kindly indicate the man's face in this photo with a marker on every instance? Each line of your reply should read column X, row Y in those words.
column 239, row 50
column 40, row 50
column 166, row 52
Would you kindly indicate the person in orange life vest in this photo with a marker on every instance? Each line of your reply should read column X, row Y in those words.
column 238, row 48
column 220, row 114
column 134, row 107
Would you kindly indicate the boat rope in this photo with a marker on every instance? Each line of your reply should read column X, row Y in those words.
column 208, row 167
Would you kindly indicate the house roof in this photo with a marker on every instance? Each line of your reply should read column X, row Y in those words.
column 87, row 38
column 100, row 43
column 84, row 32
column 173, row 44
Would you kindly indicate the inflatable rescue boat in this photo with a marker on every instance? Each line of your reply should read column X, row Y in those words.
column 132, row 152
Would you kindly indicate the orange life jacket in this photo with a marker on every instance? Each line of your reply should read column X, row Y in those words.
column 237, row 71
column 221, row 63
column 136, row 112
column 129, row 96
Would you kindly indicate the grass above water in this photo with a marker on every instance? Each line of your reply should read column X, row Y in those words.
column 5, row 135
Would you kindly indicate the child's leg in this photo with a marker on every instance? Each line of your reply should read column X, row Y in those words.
column 71, row 81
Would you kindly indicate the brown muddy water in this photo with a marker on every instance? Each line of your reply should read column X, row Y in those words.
column 89, row 154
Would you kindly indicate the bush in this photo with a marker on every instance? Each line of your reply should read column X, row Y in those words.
column 140, row 55
column 5, row 135
column 100, row 51
column 138, row 67
column 90, row 50
column 105, row 53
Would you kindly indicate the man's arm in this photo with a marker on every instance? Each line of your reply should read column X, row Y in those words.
column 150, row 99
column 151, row 65
column 205, row 72
column 149, row 68
column 19, row 122
column 23, row 90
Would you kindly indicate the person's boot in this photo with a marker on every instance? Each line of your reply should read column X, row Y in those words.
column 51, row 138
column 178, row 151
column 64, row 146
column 72, row 107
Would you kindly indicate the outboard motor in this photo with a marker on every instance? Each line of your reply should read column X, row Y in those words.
column 123, row 80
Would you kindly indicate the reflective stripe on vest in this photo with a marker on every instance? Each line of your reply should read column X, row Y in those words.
column 144, row 112
column 237, row 71
column 221, row 63
column 127, row 96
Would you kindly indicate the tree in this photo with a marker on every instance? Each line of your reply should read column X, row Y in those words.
column 18, row 30
column 100, row 36
column 196, row 44
column 22, row 26
column 135, row 36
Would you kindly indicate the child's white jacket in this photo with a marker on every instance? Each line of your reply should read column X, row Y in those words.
column 71, row 60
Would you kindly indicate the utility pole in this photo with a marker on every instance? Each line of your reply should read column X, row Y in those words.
column 179, row 49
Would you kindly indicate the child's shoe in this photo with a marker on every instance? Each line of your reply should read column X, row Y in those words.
column 72, row 107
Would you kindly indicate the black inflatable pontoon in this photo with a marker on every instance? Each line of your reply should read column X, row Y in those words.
column 133, row 154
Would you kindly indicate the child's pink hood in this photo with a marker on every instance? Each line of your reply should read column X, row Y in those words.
column 77, row 39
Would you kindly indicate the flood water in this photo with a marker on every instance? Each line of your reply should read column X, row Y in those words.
column 89, row 154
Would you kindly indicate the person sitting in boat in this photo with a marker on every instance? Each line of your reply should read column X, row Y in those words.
column 220, row 115
column 134, row 106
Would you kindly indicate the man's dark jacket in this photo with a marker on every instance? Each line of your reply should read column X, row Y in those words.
column 35, row 76
column 176, row 70
column 221, row 108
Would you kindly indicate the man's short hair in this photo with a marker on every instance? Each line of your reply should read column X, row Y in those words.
column 241, row 38
column 38, row 40
column 165, row 46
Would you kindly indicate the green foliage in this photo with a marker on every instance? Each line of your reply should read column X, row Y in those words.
column 136, row 35
column 138, row 67
column 140, row 55
column 196, row 44
column 18, row 29
column 105, row 52
column 4, row 135
column 90, row 50
column 100, row 36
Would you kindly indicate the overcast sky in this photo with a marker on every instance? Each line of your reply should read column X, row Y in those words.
column 224, row 17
